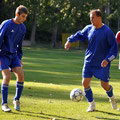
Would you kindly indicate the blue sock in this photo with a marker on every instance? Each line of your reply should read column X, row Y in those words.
column 88, row 94
column 19, row 89
column 4, row 92
column 110, row 92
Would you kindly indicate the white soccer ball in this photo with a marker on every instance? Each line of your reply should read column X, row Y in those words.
column 76, row 95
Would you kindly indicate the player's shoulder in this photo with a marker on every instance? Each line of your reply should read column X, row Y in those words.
column 106, row 27
column 5, row 23
column 87, row 27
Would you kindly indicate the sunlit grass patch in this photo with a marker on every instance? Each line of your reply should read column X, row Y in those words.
column 50, row 75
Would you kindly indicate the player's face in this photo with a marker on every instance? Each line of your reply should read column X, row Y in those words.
column 94, row 19
column 22, row 17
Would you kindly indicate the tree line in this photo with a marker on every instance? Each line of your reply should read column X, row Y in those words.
column 48, row 19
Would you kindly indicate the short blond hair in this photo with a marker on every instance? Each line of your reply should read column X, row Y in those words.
column 97, row 12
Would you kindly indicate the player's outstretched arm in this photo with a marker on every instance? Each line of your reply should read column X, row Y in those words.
column 67, row 45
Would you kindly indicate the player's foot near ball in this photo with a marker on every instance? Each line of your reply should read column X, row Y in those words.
column 5, row 108
column 16, row 105
column 91, row 107
column 113, row 102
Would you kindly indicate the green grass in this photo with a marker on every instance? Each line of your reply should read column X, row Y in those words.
column 50, row 75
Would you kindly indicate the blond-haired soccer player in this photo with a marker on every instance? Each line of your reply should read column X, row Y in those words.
column 101, row 51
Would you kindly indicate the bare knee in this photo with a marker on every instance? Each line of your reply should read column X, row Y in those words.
column 86, row 82
column 20, row 77
column 105, row 85
column 19, row 74
column 6, row 77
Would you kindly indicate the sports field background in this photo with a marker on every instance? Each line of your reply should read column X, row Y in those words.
column 50, row 75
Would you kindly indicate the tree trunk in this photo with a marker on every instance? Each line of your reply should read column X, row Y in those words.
column 107, row 11
column 32, row 38
column 54, row 35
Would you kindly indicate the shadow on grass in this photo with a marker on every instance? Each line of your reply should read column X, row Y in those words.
column 108, row 113
column 52, row 93
column 53, row 77
column 42, row 115
column 102, row 118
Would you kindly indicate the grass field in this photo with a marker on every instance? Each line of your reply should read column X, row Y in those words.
column 50, row 75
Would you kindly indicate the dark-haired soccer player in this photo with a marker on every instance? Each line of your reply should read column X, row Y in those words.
column 12, row 33
column 101, row 51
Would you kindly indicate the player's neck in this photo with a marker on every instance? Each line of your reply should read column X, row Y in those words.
column 15, row 20
column 99, row 25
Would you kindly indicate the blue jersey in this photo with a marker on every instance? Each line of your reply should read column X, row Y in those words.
column 102, row 44
column 11, row 38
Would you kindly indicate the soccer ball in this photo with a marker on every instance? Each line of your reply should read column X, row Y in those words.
column 76, row 95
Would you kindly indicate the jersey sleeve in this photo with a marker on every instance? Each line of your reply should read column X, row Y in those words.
column 80, row 35
column 3, row 28
column 113, row 46
column 118, row 37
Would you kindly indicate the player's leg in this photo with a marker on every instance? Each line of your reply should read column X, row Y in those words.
column 87, row 89
column 103, row 75
column 4, row 89
column 19, row 86
column 109, row 90
column 17, row 69
column 6, row 74
column 88, row 94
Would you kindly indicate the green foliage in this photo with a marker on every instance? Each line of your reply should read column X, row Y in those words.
column 70, row 15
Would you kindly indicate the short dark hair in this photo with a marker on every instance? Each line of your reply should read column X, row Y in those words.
column 97, row 12
column 21, row 9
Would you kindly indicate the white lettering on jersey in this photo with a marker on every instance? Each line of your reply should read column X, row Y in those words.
column 12, row 30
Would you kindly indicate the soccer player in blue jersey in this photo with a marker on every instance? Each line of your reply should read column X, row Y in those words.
column 102, row 49
column 12, row 33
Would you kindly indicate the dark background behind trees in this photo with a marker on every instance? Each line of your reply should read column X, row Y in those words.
column 48, row 19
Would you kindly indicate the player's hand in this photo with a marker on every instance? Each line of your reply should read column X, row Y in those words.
column 67, row 45
column 21, row 63
column 104, row 63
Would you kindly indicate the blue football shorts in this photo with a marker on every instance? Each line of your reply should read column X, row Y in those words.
column 101, row 73
column 9, row 61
